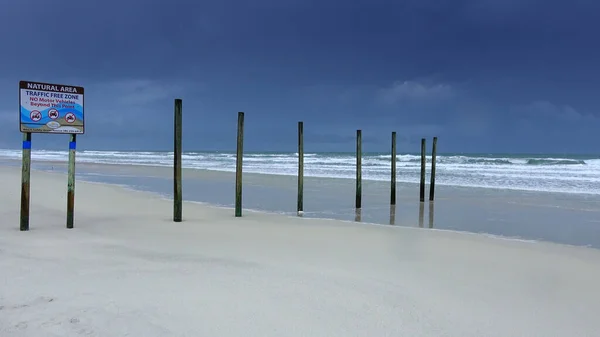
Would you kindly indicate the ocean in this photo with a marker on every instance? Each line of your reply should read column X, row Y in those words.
column 544, row 173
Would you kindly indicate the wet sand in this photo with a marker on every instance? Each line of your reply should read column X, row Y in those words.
column 555, row 217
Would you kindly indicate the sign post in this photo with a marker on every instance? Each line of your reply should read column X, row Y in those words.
column 71, row 181
column 55, row 109
column 25, row 174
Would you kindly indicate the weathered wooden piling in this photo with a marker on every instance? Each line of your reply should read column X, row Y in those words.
column 177, row 150
column 238, row 165
column 393, row 171
column 300, row 206
column 71, row 181
column 423, row 162
column 358, row 200
column 432, row 181
column 25, row 179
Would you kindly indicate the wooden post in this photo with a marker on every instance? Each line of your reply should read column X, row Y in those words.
column 432, row 182
column 71, row 181
column 422, row 185
column 177, row 193
column 238, row 165
column 358, row 200
column 25, row 178
column 393, row 173
column 422, row 182
column 300, row 168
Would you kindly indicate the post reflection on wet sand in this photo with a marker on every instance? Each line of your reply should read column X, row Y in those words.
column 430, row 214
column 431, row 207
column 421, row 211
column 358, row 214
column 392, row 214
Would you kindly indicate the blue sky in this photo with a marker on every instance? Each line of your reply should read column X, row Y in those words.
column 482, row 75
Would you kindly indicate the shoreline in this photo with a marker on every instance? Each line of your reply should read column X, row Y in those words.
column 292, row 215
column 532, row 216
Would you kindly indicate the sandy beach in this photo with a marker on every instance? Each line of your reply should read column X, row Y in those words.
column 127, row 270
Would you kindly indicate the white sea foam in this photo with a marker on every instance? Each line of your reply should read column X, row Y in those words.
column 550, row 174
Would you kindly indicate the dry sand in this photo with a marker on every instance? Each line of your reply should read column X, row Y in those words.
column 127, row 270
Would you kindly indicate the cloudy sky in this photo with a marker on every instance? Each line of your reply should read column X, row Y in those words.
column 482, row 75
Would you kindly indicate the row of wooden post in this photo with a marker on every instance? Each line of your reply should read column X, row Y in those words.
column 177, row 152
column 358, row 203
column 358, row 198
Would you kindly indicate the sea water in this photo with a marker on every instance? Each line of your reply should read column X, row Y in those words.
column 546, row 173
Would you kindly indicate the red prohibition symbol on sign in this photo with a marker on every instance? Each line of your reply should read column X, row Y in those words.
column 70, row 117
column 53, row 114
column 35, row 115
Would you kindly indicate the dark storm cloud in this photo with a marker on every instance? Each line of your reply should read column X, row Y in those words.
column 484, row 75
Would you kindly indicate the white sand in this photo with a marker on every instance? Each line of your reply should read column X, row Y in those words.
column 127, row 270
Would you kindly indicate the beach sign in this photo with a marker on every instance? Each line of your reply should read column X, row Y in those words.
column 50, row 108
